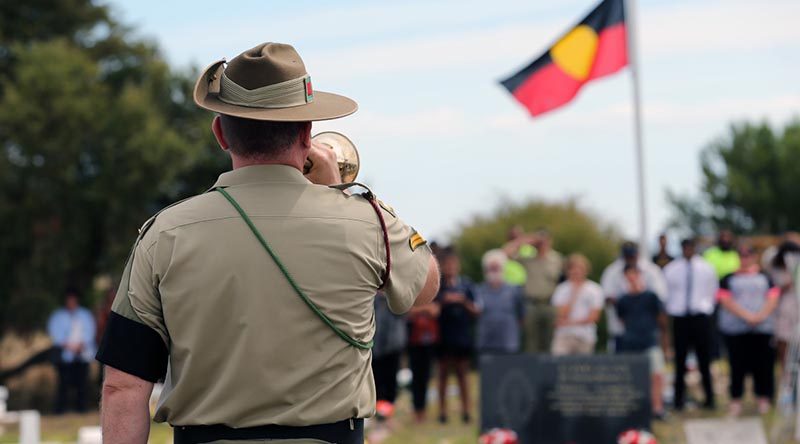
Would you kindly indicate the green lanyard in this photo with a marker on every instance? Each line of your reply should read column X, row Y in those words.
column 297, row 289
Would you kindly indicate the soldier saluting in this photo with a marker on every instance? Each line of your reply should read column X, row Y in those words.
column 254, row 301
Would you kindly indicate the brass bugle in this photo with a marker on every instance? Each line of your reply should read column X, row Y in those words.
column 346, row 154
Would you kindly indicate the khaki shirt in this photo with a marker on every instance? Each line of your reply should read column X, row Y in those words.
column 543, row 273
column 243, row 349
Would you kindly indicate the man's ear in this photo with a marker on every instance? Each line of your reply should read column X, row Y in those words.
column 216, row 128
column 305, row 135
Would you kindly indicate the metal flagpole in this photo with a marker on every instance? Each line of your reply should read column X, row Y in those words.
column 633, row 60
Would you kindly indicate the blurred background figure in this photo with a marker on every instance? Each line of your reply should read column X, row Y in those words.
column 457, row 342
column 662, row 258
column 389, row 343
column 543, row 272
column 436, row 249
column 723, row 256
column 725, row 260
column 72, row 329
column 642, row 313
column 502, row 307
column 514, row 272
column 615, row 284
column 579, row 302
column 423, row 338
column 747, row 323
column 692, row 286
column 780, row 263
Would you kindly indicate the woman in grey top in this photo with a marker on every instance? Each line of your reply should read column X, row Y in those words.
column 747, row 322
column 502, row 308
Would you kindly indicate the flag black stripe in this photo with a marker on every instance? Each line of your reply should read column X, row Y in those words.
column 513, row 82
column 607, row 13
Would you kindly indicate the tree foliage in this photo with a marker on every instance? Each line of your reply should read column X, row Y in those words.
column 96, row 134
column 749, row 182
column 574, row 230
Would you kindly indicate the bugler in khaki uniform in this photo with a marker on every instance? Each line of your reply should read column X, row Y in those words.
column 242, row 345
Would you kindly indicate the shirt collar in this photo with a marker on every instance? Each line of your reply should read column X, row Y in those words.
column 261, row 174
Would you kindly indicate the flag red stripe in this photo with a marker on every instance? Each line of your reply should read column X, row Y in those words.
column 547, row 88
column 612, row 51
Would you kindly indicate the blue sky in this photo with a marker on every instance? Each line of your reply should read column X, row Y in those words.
column 441, row 141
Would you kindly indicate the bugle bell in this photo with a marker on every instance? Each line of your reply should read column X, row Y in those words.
column 346, row 154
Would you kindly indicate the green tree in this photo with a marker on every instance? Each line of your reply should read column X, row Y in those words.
column 749, row 183
column 97, row 134
column 573, row 230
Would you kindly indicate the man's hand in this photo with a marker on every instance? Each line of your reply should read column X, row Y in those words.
column 324, row 167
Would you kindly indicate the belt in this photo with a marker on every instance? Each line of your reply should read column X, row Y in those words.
column 349, row 431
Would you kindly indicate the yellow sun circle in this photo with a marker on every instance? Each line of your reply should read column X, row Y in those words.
column 574, row 53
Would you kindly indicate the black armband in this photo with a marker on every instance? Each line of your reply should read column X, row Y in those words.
column 133, row 348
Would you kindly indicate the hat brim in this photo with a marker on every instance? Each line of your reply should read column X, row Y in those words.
column 325, row 106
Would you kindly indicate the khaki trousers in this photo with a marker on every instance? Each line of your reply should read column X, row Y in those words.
column 540, row 319
column 571, row 345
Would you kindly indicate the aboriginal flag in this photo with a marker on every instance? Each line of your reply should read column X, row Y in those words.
column 594, row 48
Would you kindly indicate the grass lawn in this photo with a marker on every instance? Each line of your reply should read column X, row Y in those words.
column 404, row 430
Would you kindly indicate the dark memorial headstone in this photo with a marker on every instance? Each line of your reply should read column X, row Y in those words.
column 565, row 400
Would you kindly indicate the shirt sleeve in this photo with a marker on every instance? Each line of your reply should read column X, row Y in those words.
column 410, row 256
column 657, row 282
column 136, row 338
column 774, row 291
column 622, row 307
column 476, row 297
column 607, row 281
column 558, row 296
column 55, row 330
column 658, row 305
column 89, row 330
column 520, row 303
column 597, row 297
column 724, row 290
column 469, row 291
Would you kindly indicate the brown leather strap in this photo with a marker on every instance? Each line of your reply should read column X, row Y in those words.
column 370, row 196
column 387, row 273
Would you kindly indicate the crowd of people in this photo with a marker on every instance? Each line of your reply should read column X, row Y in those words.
column 698, row 307
column 725, row 302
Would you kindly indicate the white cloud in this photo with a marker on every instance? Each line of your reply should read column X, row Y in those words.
column 694, row 28
column 719, row 26
column 329, row 27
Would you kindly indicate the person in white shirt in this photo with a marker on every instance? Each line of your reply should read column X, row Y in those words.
column 615, row 285
column 691, row 291
column 72, row 330
column 579, row 302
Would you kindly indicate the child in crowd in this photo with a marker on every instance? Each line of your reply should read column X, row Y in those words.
column 645, row 321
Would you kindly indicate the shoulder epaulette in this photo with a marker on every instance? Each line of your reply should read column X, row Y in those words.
column 149, row 222
column 367, row 194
